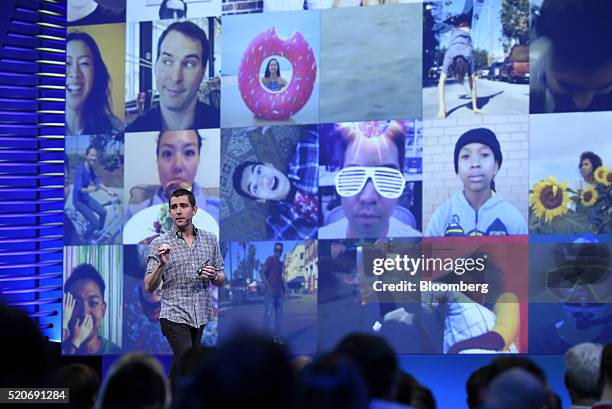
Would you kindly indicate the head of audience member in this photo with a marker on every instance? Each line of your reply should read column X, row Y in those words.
column 87, row 287
column 82, row 381
column 475, row 387
column 577, row 34
column 589, row 161
column 368, row 210
column 406, row 387
column 330, row 382
column 505, row 363
column 422, row 398
column 88, row 88
column 182, row 54
column 260, row 181
column 24, row 352
column 178, row 157
column 135, row 381
column 248, row 370
column 173, row 9
column 477, row 158
column 605, row 373
column 516, row 389
column 582, row 373
column 376, row 361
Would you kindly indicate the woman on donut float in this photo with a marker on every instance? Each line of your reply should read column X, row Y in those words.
column 272, row 77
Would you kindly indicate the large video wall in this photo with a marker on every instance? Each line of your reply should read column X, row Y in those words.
column 434, row 171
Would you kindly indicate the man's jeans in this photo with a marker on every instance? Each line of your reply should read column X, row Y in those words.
column 273, row 302
column 87, row 209
column 181, row 338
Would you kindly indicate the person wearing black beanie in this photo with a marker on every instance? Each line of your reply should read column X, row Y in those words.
column 477, row 210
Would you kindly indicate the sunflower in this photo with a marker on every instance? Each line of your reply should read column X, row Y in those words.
column 608, row 179
column 549, row 199
column 601, row 175
column 588, row 197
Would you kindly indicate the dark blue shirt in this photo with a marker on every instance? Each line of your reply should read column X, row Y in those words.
column 82, row 179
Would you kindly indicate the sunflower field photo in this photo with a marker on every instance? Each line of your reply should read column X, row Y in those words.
column 554, row 208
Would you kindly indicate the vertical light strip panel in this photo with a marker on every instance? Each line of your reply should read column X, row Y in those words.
column 32, row 80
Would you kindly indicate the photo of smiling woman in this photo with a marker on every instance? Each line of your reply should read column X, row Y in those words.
column 478, row 208
column 272, row 78
column 89, row 109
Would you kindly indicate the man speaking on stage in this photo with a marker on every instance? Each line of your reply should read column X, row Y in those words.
column 185, row 261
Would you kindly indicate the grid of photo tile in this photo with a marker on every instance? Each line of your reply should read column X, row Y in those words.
column 432, row 171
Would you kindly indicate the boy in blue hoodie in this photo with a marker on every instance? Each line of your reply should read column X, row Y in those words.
column 477, row 210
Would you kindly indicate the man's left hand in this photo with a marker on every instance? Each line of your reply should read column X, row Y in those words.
column 208, row 272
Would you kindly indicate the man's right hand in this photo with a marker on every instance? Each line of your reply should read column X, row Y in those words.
column 82, row 330
column 163, row 254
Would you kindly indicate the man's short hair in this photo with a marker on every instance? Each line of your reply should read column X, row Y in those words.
column 198, row 138
column 85, row 272
column 237, row 178
column 183, row 192
column 579, row 31
column 188, row 29
column 278, row 244
column 582, row 370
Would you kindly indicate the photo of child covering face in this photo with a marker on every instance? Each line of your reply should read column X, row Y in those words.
column 91, row 300
column 477, row 207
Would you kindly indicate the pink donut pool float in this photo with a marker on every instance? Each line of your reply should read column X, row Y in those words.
column 285, row 103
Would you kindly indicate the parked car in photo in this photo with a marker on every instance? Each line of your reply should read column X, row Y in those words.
column 484, row 73
column 494, row 71
column 515, row 67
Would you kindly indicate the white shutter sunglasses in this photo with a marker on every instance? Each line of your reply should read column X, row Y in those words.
column 388, row 182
